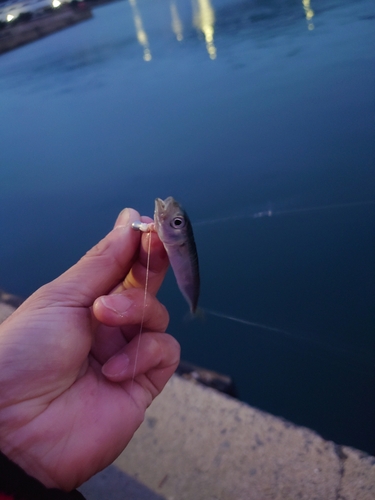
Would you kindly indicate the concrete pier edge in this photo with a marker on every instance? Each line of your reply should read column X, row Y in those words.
column 197, row 443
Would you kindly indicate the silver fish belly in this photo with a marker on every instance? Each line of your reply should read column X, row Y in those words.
column 174, row 229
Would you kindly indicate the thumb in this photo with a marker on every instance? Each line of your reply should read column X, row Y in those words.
column 101, row 269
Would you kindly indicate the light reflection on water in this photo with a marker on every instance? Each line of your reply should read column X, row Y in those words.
column 141, row 34
column 238, row 110
column 204, row 20
column 309, row 13
column 177, row 26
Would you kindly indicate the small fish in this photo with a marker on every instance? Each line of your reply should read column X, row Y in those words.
column 174, row 229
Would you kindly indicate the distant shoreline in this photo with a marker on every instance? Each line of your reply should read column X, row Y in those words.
column 28, row 31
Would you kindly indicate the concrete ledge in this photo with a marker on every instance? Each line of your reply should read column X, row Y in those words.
column 5, row 311
column 8, row 303
column 113, row 484
column 197, row 444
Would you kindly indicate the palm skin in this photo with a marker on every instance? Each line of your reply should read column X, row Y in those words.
column 75, row 378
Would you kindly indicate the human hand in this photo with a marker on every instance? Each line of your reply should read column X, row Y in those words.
column 69, row 403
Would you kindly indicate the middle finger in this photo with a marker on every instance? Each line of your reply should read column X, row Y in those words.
column 129, row 308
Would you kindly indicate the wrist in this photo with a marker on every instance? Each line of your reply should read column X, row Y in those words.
column 16, row 483
column 23, row 449
column 29, row 465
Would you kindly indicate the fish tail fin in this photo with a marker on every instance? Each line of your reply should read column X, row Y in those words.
column 199, row 313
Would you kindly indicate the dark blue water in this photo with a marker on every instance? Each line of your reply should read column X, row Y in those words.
column 241, row 108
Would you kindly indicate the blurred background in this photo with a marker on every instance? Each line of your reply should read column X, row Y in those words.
column 258, row 116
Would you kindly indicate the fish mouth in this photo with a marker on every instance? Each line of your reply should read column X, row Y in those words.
column 160, row 211
column 162, row 204
column 159, row 208
column 159, row 204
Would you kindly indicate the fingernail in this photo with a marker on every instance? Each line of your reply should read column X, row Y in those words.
column 116, row 366
column 117, row 303
column 123, row 218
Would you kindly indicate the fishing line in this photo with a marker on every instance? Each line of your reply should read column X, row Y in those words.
column 144, row 307
column 272, row 213
column 355, row 356
column 246, row 322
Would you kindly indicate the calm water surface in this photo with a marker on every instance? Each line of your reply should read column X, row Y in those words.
column 237, row 109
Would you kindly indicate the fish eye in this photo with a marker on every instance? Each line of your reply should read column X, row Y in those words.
column 178, row 222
